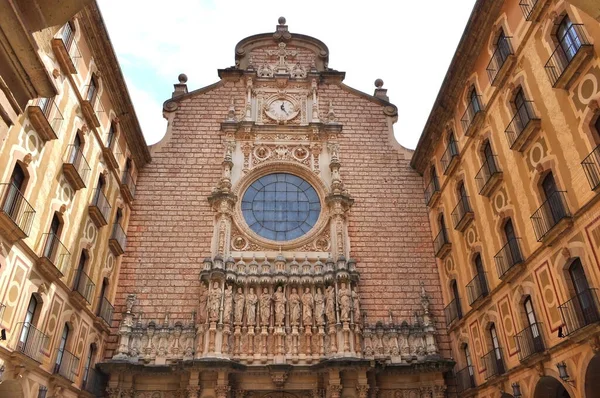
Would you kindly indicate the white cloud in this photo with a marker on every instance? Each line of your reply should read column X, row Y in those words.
column 407, row 44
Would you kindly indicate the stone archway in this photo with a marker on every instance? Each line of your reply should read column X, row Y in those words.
column 11, row 389
column 549, row 387
column 592, row 381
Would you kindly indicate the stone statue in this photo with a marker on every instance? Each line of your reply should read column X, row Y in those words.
column 330, row 304
column 227, row 304
column 251, row 300
column 265, row 307
column 280, row 300
column 344, row 302
column 239, row 306
column 214, row 302
column 307, row 307
column 356, row 305
column 203, row 303
column 319, row 306
column 294, row 307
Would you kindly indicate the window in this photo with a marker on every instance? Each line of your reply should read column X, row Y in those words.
column 474, row 101
column 554, row 199
column 75, row 153
column 88, row 363
column 488, row 156
column 92, row 89
column 481, row 275
column 281, row 207
column 568, row 39
column 531, row 318
column 28, row 321
column 468, row 359
column 513, row 244
column 13, row 198
column 496, row 346
column 99, row 190
column 102, row 294
column 80, row 269
column 433, row 178
column 452, row 143
column 68, row 34
column 454, row 288
column 503, row 48
column 52, row 242
column 61, row 348
column 112, row 131
column 585, row 296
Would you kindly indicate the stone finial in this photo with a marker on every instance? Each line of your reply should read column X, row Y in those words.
column 281, row 31
column 281, row 20
column 181, row 87
column 380, row 92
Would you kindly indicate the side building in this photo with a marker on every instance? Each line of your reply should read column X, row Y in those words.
column 70, row 148
column 512, row 171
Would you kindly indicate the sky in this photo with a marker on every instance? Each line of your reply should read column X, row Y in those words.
column 408, row 44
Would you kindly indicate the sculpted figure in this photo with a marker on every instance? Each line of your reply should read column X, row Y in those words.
column 251, row 300
column 294, row 307
column 238, row 313
column 356, row 305
column 280, row 300
column 203, row 303
column 227, row 304
column 214, row 302
column 330, row 304
column 319, row 307
column 265, row 307
column 307, row 307
column 344, row 302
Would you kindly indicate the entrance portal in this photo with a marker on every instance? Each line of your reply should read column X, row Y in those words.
column 549, row 387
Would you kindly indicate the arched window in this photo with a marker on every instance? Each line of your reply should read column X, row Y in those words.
column 554, row 199
column 103, row 291
column 92, row 89
column 474, row 101
column 481, row 280
column 13, row 201
column 75, row 151
column 585, row 297
column 452, row 143
column 62, row 346
column 503, row 47
column 489, row 158
column 88, row 365
column 442, row 226
column 119, row 216
column 432, row 178
column 533, row 326
column 568, row 38
column 68, row 35
column 112, row 133
column 28, row 324
column 495, row 343
column 454, row 287
column 79, row 284
column 514, row 251
column 53, row 238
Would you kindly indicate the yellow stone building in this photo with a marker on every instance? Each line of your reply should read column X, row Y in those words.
column 512, row 169
column 70, row 146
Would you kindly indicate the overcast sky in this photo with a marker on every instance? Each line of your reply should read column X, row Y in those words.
column 408, row 44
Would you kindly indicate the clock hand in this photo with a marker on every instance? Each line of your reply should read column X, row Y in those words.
column 283, row 108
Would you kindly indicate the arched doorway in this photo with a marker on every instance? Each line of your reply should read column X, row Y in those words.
column 549, row 387
column 592, row 381
column 12, row 389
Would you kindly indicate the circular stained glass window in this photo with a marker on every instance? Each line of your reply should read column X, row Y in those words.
column 281, row 206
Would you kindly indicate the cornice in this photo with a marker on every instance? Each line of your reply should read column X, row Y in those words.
column 473, row 38
column 113, row 79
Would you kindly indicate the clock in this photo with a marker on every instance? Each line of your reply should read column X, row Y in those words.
column 281, row 109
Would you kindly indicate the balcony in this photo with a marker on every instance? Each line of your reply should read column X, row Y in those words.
column 462, row 215
column 508, row 258
column 477, row 289
column 432, row 192
column 128, row 187
column 46, row 118
column 94, row 383
column 530, row 341
column 552, row 218
column 465, row 379
column 83, row 289
column 494, row 363
column 67, row 53
column 569, row 57
column 117, row 240
column 591, row 167
column 92, row 107
column 580, row 311
column 67, row 365
column 489, row 176
column 441, row 244
column 16, row 214
column 523, row 126
column 76, row 167
column 453, row 312
column 532, row 9
column 99, row 208
column 31, row 341
column 450, row 157
column 501, row 62
column 473, row 116
column 54, row 259
column 105, row 312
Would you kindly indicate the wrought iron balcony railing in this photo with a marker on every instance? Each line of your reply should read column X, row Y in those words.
column 66, row 50
column 530, row 341
column 441, row 243
column 46, row 118
column 549, row 214
column 76, row 167
column 487, row 174
column 31, row 340
column 522, row 125
column 94, row 382
column 477, row 288
column 453, row 311
column 494, row 363
column 92, row 107
column 531, row 8
column 117, row 240
column 580, row 311
column 54, row 253
column 503, row 51
column 449, row 157
column 462, row 213
column 99, row 208
column 128, row 186
column 16, row 214
column 66, row 365
column 465, row 379
column 106, row 311
column 432, row 190
column 84, row 286
column 472, row 113
column 591, row 167
column 509, row 256
column 568, row 56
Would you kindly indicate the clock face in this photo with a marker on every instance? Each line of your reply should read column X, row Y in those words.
column 281, row 110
